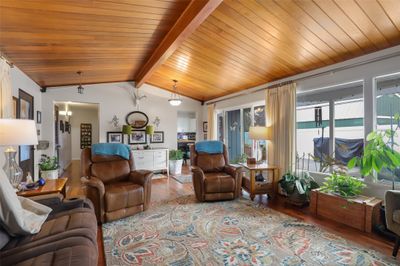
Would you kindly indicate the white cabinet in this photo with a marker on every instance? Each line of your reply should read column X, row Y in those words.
column 154, row 159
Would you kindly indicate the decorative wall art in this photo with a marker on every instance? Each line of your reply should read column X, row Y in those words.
column 86, row 135
column 115, row 137
column 157, row 137
column 137, row 119
column 138, row 137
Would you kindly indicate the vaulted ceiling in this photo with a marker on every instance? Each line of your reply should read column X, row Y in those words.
column 212, row 50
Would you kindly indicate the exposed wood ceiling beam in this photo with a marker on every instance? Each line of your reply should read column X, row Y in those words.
column 196, row 12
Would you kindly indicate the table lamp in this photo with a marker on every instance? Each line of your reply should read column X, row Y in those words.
column 14, row 132
column 150, row 131
column 259, row 133
column 126, row 130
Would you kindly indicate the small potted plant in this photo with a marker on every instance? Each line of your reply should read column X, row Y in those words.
column 343, row 185
column 298, row 187
column 175, row 162
column 48, row 167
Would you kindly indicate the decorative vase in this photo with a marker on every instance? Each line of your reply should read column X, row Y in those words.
column 49, row 174
column 175, row 167
column 12, row 169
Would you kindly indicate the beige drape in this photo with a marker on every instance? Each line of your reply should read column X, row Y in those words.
column 280, row 105
column 6, row 103
column 211, row 134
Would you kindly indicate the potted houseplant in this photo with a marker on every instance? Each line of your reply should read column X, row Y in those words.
column 343, row 185
column 175, row 162
column 378, row 154
column 48, row 167
column 298, row 187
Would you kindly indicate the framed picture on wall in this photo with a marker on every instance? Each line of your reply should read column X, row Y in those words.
column 62, row 126
column 138, row 137
column 205, row 126
column 67, row 127
column 115, row 137
column 157, row 137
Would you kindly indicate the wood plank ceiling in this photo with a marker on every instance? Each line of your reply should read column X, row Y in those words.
column 240, row 45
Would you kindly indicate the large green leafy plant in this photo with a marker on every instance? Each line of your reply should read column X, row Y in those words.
column 342, row 184
column 379, row 153
column 301, row 183
column 48, row 163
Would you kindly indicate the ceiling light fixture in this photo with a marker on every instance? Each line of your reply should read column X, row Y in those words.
column 175, row 99
column 80, row 87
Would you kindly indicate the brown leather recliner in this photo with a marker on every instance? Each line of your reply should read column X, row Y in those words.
column 213, row 178
column 114, row 187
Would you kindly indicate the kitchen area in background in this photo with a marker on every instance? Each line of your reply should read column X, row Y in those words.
column 187, row 128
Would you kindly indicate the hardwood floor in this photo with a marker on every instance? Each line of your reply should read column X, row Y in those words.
column 169, row 188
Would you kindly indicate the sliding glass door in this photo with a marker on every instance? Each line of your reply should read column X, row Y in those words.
column 233, row 128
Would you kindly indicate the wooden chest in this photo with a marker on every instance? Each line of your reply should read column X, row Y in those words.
column 360, row 212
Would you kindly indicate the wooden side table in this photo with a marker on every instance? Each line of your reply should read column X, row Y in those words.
column 51, row 186
column 259, row 188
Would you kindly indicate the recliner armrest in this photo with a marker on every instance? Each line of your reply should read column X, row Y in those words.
column 140, row 177
column 233, row 170
column 94, row 182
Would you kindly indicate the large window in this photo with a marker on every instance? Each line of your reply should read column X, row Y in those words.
column 387, row 106
column 342, row 110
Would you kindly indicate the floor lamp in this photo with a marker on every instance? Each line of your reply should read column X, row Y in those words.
column 14, row 132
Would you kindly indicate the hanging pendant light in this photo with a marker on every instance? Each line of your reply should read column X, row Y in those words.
column 80, row 87
column 175, row 99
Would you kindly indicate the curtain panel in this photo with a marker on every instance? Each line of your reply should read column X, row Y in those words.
column 280, row 103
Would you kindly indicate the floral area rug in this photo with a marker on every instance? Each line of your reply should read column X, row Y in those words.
column 185, row 232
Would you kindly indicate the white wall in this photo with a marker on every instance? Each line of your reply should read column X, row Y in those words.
column 114, row 99
column 82, row 115
column 21, row 81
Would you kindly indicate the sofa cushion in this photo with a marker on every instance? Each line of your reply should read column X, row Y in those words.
column 396, row 216
column 4, row 238
column 120, row 195
column 75, row 222
column 218, row 183
column 211, row 162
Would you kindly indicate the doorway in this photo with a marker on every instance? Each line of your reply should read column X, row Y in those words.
column 72, row 121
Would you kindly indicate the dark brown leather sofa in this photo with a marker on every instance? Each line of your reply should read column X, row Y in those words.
column 114, row 187
column 68, row 237
column 213, row 178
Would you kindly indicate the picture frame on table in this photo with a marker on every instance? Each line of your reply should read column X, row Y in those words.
column 205, row 126
column 115, row 137
column 157, row 137
column 137, row 137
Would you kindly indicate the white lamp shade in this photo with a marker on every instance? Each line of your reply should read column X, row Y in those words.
column 260, row 133
column 18, row 132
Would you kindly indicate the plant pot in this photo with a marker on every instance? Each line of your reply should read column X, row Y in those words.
column 175, row 167
column 297, row 199
column 49, row 174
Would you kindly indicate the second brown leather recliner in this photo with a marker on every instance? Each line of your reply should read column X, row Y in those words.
column 213, row 178
column 114, row 187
